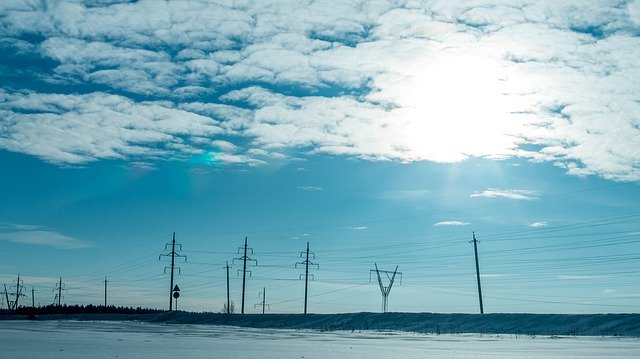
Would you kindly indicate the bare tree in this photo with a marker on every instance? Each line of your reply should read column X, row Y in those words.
column 231, row 308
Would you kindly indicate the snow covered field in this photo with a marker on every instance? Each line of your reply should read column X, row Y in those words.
column 97, row 339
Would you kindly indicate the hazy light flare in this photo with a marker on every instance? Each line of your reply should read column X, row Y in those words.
column 461, row 104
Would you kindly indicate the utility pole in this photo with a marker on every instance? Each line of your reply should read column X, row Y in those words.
column 19, row 287
column 244, row 260
column 59, row 288
column 6, row 294
column 228, row 298
column 33, row 297
column 306, row 263
column 59, row 291
column 264, row 300
column 173, row 255
column 475, row 250
column 385, row 290
column 105, row 291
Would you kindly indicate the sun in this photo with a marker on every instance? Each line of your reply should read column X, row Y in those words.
column 460, row 105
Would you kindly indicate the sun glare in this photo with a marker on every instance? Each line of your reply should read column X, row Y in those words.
column 460, row 105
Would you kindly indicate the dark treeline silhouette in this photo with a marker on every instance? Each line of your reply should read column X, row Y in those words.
column 78, row 309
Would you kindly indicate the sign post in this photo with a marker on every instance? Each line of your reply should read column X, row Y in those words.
column 176, row 294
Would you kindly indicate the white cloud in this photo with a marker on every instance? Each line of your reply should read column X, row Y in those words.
column 268, row 154
column 579, row 277
column 442, row 82
column 404, row 195
column 492, row 275
column 451, row 223
column 230, row 158
column 538, row 224
column 634, row 11
column 17, row 226
column 310, row 188
column 359, row 228
column 141, row 166
column 76, row 129
column 45, row 238
column 515, row 194
column 225, row 146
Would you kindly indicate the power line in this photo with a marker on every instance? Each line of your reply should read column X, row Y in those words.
column 398, row 218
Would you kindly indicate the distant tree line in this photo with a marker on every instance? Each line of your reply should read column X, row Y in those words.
column 78, row 309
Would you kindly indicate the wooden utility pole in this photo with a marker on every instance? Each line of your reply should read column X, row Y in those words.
column 264, row 298
column 105, row 291
column 228, row 297
column 475, row 250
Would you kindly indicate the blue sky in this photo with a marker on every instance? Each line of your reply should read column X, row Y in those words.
column 380, row 133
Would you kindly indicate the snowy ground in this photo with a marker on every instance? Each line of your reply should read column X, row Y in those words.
column 94, row 339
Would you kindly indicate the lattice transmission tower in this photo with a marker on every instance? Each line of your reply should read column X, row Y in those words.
column 385, row 289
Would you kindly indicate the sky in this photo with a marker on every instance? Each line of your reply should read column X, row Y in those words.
column 378, row 132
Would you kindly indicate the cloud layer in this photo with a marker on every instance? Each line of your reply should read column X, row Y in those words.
column 437, row 81
column 515, row 194
column 451, row 223
column 45, row 238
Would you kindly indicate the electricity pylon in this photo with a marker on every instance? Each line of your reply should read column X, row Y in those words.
column 263, row 304
column 306, row 263
column 59, row 288
column 385, row 290
column 18, row 293
column 173, row 255
column 244, row 260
